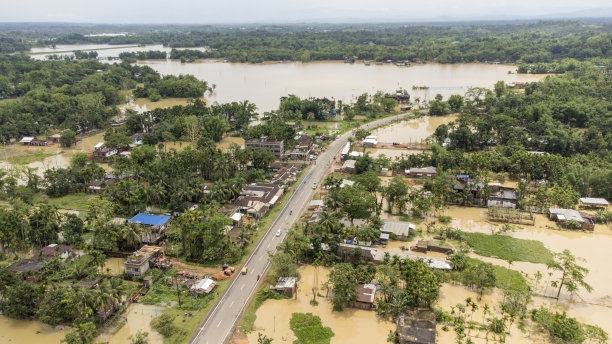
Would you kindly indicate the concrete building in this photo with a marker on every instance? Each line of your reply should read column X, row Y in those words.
column 417, row 172
column 274, row 146
column 139, row 263
column 286, row 286
column 416, row 326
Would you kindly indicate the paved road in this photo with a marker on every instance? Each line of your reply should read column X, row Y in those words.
column 220, row 321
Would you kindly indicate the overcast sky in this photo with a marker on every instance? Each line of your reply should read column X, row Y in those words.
column 249, row 11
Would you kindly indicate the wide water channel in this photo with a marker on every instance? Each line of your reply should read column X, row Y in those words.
column 264, row 84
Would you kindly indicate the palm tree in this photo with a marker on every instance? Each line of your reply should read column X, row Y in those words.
column 98, row 258
column 328, row 221
column 130, row 235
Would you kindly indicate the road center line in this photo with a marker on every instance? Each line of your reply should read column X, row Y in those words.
column 242, row 287
column 231, row 304
column 220, row 321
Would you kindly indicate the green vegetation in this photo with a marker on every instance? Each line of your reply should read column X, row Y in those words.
column 25, row 158
column 565, row 329
column 142, row 55
column 309, row 330
column 77, row 95
column 525, row 42
column 75, row 201
column 508, row 248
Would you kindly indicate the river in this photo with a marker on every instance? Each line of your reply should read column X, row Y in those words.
column 264, row 84
column 105, row 51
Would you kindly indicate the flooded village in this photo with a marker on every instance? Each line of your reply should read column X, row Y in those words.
column 355, row 200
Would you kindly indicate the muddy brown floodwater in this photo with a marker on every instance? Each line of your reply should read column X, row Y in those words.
column 29, row 331
column 138, row 319
column 410, row 131
column 349, row 326
column 594, row 247
column 264, row 84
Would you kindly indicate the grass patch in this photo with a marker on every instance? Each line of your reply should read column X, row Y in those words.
column 309, row 329
column 27, row 157
column 76, row 201
column 508, row 248
column 504, row 278
column 177, row 327
column 247, row 324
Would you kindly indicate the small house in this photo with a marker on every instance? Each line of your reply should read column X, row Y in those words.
column 315, row 204
column 27, row 265
column 502, row 197
column 591, row 202
column 102, row 152
column 370, row 141
column 55, row 138
column 349, row 166
column 399, row 229
column 54, row 250
column 156, row 227
column 566, row 216
column 365, row 297
column 286, row 286
column 203, row 286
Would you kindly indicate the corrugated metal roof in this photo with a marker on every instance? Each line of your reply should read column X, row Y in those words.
column 594, row 200
column 150, row 220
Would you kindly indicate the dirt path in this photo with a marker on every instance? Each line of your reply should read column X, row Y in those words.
column 194, row 268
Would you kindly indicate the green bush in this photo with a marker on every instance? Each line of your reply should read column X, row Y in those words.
column 164, row 324
column 309, row 330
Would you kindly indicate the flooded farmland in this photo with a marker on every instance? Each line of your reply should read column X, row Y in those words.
column 349, row 326
column 594, row 247
column 29, row 331
column 264, row 84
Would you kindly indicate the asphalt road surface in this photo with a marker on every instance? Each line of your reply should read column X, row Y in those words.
column 219, row 323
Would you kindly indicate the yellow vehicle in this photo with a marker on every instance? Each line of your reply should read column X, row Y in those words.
column 244, row 270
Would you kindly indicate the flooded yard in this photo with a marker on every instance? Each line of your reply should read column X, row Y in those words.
column 349, row 326
column 138, row 319
column 411, row 131
column 115, row 265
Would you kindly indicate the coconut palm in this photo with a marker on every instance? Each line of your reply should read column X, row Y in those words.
column 130, row 235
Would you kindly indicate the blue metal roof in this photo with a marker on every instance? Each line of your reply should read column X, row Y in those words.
column 463, row 176
column 150, row 220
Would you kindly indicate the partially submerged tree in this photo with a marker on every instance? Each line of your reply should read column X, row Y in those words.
column 572, row 274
